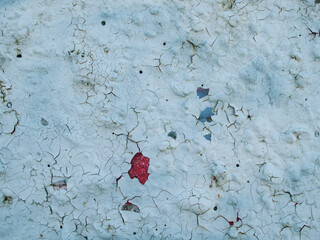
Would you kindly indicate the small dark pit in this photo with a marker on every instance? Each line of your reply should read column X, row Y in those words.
column 140, row 72
column 19, row 55
column 103, row 23
column 215, row 208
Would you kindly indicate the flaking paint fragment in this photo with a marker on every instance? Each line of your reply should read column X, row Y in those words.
column 139, row 168
column 206, row 115
column 128, row 206
column 202, row 92
column 208, row 137
column 61, row 184
column 173, row 135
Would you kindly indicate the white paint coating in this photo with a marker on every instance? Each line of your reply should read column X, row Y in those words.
column 80, row 96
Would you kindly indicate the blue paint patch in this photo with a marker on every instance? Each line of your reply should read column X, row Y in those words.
column 208, row 137
column 206, row 115
column 172, row 134
column 202, row 92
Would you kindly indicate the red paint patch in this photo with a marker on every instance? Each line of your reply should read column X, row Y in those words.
column 139, row 168
column 231, row 223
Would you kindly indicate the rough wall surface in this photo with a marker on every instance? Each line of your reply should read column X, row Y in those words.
column 218, row 100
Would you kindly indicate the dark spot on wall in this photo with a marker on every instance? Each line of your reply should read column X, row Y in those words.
column 7, row 199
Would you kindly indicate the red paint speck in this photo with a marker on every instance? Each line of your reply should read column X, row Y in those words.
column 128, row 203
column 139, row 168
column 231, row 223
column 118, row 179
column 238, row 219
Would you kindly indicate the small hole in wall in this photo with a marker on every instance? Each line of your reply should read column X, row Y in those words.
column 156, row 229
column 48, row 165
column 140, row 72
column 103, row 23
column 237, row 165
column 61, row 227
column 201, row 85
column 134, row 233
column 306, row 99
column 167, row 100
column 165, row 225
column 19, row 55
column 215, row 208
column 248, row 181
column 164, row 43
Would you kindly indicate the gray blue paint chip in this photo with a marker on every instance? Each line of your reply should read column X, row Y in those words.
column 172, row 134
column 202, row 92
column 208, row 137
column 206, row 115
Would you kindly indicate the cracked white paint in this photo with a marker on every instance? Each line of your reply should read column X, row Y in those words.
column 79, row 97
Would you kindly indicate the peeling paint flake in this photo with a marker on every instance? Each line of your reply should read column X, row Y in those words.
column 62, row 184
column 139, row 168
column 173, row 135
column 206, row 115
column 202, row 92
column 128, row 206
column 208, row 137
